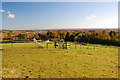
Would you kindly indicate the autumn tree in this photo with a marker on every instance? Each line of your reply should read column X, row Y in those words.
column 113, row 35
column 36, row 36
column 22, row 36
column 67, row 36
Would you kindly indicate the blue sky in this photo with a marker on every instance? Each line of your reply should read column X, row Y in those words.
column 59, row 15
column 0, row 16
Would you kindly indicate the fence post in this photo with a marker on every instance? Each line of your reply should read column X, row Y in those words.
column 47, row 46
column 75, row 44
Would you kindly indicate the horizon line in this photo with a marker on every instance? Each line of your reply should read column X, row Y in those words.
column 60, row 29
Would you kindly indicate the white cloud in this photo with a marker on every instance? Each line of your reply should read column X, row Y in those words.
column 11, row 16
column 88, row 18
column 8, row 12
column 91, row 17
column 2, row 10
column 105, row 22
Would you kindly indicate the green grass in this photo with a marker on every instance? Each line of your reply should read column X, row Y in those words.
column 90, row 61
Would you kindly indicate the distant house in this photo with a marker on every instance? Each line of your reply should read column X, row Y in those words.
column 47, row 41
column 39, row 40
column 34, row 40
column 62, row 40
column 42, row 31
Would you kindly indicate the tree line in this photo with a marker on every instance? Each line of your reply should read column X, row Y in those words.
column 104, row 37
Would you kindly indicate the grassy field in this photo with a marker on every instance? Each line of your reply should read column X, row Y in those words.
column 22, row 60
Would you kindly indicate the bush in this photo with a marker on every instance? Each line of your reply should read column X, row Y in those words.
column 15, row 41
